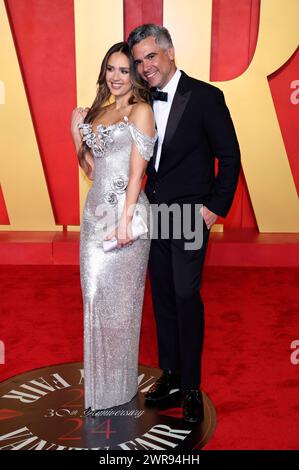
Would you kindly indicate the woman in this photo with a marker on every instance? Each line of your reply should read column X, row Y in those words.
column 114, row 143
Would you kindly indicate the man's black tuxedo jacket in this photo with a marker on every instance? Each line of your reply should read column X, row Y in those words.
column 199, row 129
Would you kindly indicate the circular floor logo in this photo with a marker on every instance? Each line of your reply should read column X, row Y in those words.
column 43, row 410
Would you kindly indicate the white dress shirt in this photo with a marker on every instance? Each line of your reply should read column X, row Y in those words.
column 161, row 111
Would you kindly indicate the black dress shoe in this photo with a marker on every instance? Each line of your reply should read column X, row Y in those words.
column 165, row 386
column 193, row 411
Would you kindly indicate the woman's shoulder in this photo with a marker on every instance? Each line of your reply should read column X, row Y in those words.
column 141, row 108
column 142, row 116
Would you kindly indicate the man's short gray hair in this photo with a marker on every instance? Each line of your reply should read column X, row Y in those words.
column 161, row 35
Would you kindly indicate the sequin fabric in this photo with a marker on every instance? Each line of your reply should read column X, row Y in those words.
column 112, row 283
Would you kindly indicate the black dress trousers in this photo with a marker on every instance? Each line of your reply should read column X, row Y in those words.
column 175, row 277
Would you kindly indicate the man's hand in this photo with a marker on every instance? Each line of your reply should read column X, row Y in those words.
column 208, row 216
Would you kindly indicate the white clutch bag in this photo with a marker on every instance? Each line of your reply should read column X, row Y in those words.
column 138, row 227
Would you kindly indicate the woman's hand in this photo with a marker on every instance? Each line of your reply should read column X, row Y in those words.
column 123, row 234
column 78, row 116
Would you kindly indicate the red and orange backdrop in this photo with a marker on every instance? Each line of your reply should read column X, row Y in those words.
column 50, row 56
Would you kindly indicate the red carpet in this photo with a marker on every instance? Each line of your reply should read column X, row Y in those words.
column 251, row 318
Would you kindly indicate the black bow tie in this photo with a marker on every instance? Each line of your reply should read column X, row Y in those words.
column 159, row 95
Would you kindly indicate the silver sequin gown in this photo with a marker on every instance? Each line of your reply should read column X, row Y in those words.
column 112, row 282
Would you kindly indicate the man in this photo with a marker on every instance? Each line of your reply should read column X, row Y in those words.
column 194, row 127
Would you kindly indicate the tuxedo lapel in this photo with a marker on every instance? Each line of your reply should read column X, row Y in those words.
column 180, row 100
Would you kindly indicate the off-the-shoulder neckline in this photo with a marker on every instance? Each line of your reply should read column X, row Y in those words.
column 125, row 120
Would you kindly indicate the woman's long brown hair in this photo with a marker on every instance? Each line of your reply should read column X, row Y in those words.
column 140, row 92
